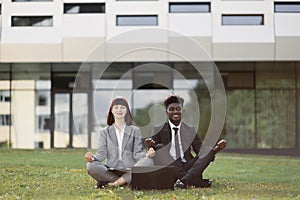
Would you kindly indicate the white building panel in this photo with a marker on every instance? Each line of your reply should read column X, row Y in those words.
column 82, row 33
column 287, row 24
column 243, row 51
column 196, row 26
column 191, row 24
column 190, row 49
column 31, row 53
column 287, row 48
column 73, row 36
column 243, row 42
column 287, row 34
column 80, row 48
column 114, row 8
column 35, row 43
column 84, row 25
column 148, row 44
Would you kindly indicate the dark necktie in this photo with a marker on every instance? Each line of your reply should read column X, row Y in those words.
column 177, row 149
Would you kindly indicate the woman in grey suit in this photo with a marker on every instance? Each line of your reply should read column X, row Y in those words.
column 120, row 144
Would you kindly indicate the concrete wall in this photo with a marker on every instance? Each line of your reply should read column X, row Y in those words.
column 73, row 37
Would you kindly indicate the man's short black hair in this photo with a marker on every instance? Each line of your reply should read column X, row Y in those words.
column 173, row 99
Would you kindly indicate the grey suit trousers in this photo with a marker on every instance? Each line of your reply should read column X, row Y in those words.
column 100, row 172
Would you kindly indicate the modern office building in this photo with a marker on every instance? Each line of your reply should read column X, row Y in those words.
column 62, row 61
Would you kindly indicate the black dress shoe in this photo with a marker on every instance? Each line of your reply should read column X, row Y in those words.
column 203, row 183
column 209, row 183
column 180, row 184
column 101, row 184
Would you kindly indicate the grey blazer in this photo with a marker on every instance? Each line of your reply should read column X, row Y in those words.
column 108, row 147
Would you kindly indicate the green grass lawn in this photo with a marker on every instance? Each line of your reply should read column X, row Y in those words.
column 61, row 174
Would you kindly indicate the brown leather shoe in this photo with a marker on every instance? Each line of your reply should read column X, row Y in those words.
column 220, row 145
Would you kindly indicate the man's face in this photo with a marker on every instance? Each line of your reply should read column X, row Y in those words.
column 174, row 112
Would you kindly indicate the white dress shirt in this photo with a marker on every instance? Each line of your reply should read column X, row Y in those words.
column 120, row 134
column 172, row 149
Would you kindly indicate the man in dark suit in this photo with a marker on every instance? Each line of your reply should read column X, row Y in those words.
column 174, row 142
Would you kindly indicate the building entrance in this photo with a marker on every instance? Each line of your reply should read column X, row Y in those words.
column 70, row 120
column 69, row 111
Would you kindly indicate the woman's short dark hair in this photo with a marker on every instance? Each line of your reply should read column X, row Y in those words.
column 173, row 99
column 119, row 101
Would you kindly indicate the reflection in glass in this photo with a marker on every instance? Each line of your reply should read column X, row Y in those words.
column 4, row 96
column 61, row 120
column 42, row 116
column 189, row 7
column 276, row 124
column 5, row 120
column 148, row 109
column 42, row 109
column 75, row 8
column 112, row 84
column 137, row 20
column 102, row 99
column 240, row 120
column 242, row 19
column 287, row 7
column 80, row 117
column 32, row 21
column 185, row 83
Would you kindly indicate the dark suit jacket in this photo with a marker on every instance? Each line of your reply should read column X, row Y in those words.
column 162, row 136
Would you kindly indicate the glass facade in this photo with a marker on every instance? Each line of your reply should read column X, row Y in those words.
column 52, row 105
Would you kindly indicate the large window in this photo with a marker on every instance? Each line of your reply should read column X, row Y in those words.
column 77, row 8
column 189, row 7
column 243, row 19
column 240, row 118
column 275, row 105
column 137, row 20
column 32, row 21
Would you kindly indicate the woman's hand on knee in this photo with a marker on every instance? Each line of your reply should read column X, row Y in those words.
column 88, row 157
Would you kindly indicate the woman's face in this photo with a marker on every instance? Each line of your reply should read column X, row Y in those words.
column 119, row 111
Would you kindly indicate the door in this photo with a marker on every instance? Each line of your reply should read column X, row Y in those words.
column 70, row 115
